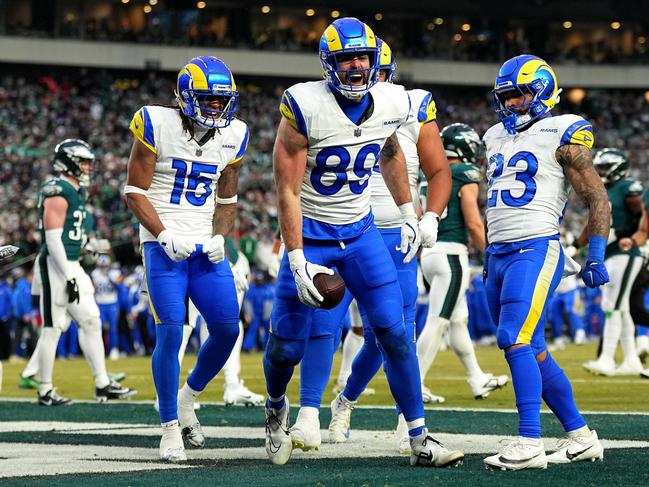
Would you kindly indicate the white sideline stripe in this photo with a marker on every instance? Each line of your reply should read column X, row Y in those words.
column 428, row 408
column 40, row 459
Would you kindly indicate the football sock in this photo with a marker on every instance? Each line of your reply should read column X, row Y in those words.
column 351, row 346
column 416, row 427
column 429, row 341
column 92, row 346
column 557, row 394
column 213, row 354
column 315, row 370
column 526, row 379
column 232, row 367
column 583, row 431
column 187, row 333
column 627, row 337
column 186, row 399
column 166, row 369
column 463, row 347
column 364, row 367
column 32, row 365
column 611, row 334
column 401, row 369
column 48, row 341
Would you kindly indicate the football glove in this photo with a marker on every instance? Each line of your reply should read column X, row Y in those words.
column 240, row 280
column 72, row 289
column 594, row 274
column 175, row 246
column 410, row 239
column 215, row 249
column 303, row 273
column 428, row 229
column 273, row 265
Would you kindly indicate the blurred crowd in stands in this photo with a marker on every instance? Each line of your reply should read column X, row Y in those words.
column 39, row 110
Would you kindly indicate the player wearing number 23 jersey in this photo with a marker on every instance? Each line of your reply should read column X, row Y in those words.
column 179, row 154
column 533, row 159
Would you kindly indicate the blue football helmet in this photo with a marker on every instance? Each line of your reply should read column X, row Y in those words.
column 201, row 79
column 345, row 36
column 523, row 75
column 386, row 60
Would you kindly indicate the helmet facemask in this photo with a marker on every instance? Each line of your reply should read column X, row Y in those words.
column 194, row 105
column 330, row 64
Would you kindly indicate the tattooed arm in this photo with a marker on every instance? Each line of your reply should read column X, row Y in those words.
column 578, row 167
column 394, row 171
column 228, row 186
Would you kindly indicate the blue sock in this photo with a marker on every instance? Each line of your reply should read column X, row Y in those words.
column 280, row 358
column 526, row 378
column 365, row 366
column 557, row 394
column 166, row 369
column 213, row 354
column 315, row 370
column 402, row 369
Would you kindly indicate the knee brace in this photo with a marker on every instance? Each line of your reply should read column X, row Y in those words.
column 284, row 353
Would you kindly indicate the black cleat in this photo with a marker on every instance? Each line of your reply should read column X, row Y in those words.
column 51, row 398
column 113, row 390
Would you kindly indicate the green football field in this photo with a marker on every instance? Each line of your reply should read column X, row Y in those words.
column 116, row 443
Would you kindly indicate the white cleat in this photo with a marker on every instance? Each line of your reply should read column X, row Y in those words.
column 630, row 366
column 483, row 386
column 190, row 428
column 642, row 347
column 580, row 337
column 519, row 454
column 239, row 395
column 278, row 440
column 426, row 451
column 645, row 374
column 341, row 415
column 430, row 398
column 339, row 388
column 171, row 444
column 601, row 366
column 403, row 440
column 578, row 449
column 305, row 433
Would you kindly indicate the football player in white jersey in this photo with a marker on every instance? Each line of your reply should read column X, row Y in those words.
column 106, row 281
column 534, row 158
column 446, row 266
column 421, row 144
column 331, row 135
column 178, row 155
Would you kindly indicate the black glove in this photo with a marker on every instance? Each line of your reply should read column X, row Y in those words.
column 73, row 291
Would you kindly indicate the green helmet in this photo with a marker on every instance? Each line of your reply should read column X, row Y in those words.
column 611, row 165
column 463, row 143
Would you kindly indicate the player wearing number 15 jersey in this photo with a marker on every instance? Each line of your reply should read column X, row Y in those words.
column 533, row 160
column 178, row 155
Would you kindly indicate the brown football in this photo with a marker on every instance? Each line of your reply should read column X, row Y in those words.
column 331, row 287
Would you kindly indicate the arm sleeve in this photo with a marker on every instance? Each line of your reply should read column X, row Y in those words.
column 56, row 250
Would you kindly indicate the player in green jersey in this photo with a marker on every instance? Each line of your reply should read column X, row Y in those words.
column 446, row 265
column 623, row 262
column 67, row 292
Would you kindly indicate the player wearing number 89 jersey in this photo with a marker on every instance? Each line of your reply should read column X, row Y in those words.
column 533, row 158
column 178, row 156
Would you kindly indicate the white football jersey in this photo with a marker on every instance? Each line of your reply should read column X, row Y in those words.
column 528, row 190
column 183, row 190
column 105, row 287
column 422, row 110
column 341, row 154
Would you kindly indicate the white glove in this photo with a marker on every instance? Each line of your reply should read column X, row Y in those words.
column 428, row 229
column 409, row 232
column 176, row 247
column 303, row 273
column 215, row 249
column 240, row 280
column 273, row 265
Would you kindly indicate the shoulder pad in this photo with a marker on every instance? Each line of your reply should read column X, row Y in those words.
column 472, row 174
column 291, row 111
column 579, row 132
column 142, row 128
column 634, row 188
column 52, row 188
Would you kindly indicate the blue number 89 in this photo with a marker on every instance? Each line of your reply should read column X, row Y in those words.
column 340, row 169
column 497, row 161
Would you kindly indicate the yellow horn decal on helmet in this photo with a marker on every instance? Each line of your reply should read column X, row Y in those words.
column 386, row 54
column 527, row 71
column 198, row 77
column 333, row 39
column 370, row 38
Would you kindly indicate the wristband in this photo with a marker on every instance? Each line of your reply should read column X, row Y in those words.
column 596, row 248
